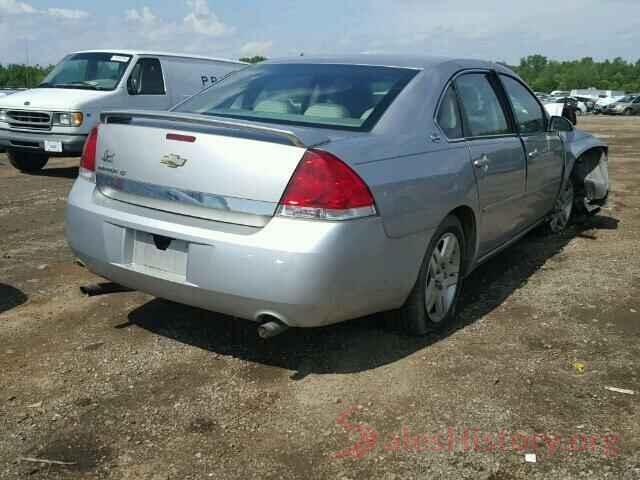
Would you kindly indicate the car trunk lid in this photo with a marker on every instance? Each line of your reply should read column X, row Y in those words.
column 221, row 170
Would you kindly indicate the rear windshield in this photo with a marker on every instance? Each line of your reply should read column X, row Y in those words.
column 351, row 97
column 88, row 71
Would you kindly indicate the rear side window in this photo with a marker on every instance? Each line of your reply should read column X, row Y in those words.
column 528, row 112
column 146, row 78
column 351, row 97
column 483, row 112
column 449, row 115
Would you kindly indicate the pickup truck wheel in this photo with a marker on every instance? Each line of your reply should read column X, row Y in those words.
column 432, row 303
column 562, row 210
column 27, row 162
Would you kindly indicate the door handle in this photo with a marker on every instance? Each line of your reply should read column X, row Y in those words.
column 534, row 153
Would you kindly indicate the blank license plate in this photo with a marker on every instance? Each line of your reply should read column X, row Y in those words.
column 172, row 260
column 51, row 146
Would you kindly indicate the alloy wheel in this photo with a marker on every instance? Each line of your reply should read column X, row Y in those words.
column 443, row 277
column 562, row 212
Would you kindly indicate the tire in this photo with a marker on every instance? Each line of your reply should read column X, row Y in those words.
column 562, row 210
column 27, row 162
column 628, row 112
column 431, row 305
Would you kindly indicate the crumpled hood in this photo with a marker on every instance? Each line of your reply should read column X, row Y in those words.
column 50, row 99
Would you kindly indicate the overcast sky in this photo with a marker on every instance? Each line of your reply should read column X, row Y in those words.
column 491, row 29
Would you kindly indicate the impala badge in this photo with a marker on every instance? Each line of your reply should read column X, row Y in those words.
column 108, row 156
column 173, row 161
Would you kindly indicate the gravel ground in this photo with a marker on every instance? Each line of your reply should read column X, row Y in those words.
column 125, row 386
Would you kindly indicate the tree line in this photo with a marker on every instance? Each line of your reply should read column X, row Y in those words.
column 544, row 75
column 541, row 73
column 21, row 76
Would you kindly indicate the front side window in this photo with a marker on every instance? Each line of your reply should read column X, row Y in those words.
column 146, row 78
column 528, row 112
column 88, row 71
column 484, row 116
column 351, row 97
column 449, row 115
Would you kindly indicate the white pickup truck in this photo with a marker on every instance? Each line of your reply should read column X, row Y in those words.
column 55, row 118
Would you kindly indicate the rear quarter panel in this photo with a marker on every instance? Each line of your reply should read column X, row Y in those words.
column 416, row 182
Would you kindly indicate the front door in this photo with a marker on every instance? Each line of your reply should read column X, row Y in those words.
column 544, row 151
column 497, row 156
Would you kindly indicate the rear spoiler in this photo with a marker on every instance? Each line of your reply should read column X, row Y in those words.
column 300, row 138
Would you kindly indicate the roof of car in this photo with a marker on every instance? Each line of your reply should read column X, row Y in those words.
column 161, row 54
column 402, row 61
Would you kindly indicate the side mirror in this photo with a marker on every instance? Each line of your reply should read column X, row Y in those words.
column 132, row 85
column 560, row 124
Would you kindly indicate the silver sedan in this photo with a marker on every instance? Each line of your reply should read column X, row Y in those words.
column 309, row 191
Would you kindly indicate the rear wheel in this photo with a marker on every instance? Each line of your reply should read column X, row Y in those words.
column 27, row 162
column 432, row 302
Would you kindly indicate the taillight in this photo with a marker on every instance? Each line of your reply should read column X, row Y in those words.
column 324, row 187
column 88, row 160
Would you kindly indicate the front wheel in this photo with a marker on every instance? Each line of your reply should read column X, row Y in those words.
column 27, row 162
column 628, row 112
column 432, row 302
column 562, row 210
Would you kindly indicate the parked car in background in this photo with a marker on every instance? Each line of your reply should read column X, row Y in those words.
column 579, row 106
column 543, row 97
column 564, row 107
column 589, row 103
column 603, row 103
column 8, row 91
column 56, row 117
column 307, row 191
column 628, row 105
column 560, row 93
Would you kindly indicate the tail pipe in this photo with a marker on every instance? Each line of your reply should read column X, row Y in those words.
column 272, row 328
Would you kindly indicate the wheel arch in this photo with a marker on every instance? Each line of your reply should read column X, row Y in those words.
column 589, row 175
column 467, row 218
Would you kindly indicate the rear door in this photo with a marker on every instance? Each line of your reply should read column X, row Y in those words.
column 497, row 156
column 544, row 150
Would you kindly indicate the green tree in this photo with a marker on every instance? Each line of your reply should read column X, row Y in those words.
column 547, row 75
column 256, row 59
column 22, row 76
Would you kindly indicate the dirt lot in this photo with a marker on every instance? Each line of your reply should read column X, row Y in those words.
column 128, row 387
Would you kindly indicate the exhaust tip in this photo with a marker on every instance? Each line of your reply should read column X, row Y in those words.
column 272, row 328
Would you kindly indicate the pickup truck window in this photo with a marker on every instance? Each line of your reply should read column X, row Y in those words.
column 88, row 71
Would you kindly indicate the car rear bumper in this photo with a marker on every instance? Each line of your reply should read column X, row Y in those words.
column 306, row 273
column 34, row 142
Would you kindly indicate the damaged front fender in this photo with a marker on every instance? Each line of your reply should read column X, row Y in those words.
column 587, row 166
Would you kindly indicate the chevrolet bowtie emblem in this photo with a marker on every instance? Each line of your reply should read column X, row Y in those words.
column 173, row 161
